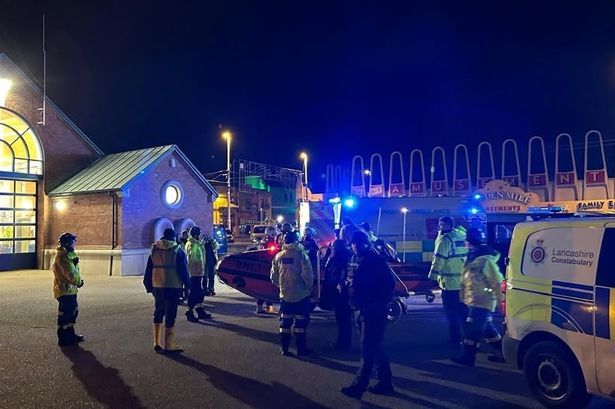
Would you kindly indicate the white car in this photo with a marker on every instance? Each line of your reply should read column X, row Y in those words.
column 258, row 232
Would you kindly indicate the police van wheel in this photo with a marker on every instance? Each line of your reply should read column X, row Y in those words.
column 430, row 297
column 395, row 310
column 554, row 376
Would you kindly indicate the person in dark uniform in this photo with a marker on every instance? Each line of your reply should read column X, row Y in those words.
column 165, row 274
column 370, row 287
column 336, row 272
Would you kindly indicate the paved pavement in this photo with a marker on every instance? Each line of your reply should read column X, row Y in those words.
column 230, row 362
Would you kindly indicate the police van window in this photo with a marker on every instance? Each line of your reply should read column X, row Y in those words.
column 606, row 265
column 503, row 233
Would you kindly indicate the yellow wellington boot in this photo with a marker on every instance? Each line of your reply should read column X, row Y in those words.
column 157, row 332
column 169, row 341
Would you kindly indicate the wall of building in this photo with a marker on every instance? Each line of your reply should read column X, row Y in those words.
column 143, row 205
column 65, row 151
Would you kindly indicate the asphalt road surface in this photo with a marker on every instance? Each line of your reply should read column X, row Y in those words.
column 231, row 361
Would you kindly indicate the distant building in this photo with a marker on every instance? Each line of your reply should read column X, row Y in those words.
column 53, row 179
column 248, row 207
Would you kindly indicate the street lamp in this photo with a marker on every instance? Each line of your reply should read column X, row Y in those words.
column 304, row 156
column 228, row 136
column 404, row 211
column 279, row 219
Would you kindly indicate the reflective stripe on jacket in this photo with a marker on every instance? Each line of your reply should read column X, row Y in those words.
column 66, row 275
column 449, row 256
column 291, row 272
column 195, row 251
column 164, row 263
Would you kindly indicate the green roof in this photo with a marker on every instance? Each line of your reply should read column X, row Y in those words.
column 118, row 171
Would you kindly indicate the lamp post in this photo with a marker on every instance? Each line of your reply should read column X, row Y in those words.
column 404, row 211
column 228, row 136
column 305, row 172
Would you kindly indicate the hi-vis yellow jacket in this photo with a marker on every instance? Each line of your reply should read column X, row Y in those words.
column 65, row 272
column 482, row 280
column 195, row 250
column 291, row 272
column 449, row 256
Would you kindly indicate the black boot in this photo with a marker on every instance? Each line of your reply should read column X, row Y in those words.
column 203, row 315
column 468, row 355
column 382, row 388
column 191, row 317
column 354, row 390
column 64, row 338
column 285, row 344
column 76, row 337
column 301, row 340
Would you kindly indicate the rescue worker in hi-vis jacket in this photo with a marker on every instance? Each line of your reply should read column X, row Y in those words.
column 291, row 272
column 67, row 280
column 165, row 274
column 481, row 292
column 449, row 255
column 195, row 252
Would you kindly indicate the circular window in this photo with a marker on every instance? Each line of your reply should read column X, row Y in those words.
column 172, row 194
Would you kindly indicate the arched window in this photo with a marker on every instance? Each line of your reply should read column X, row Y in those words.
column 21, row 164
column 20, row 149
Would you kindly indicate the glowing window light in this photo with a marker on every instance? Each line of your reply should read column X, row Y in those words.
column 5, row 87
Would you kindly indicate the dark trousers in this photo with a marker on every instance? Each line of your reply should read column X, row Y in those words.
column 456, row 313
column 166, row 301
column 294, row 314
column 479, row 325
column 196, row 292
column 372, row 325
column 209, row 277
column 343, row 319
column 68, row 310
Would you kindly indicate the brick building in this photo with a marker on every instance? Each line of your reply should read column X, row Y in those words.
column 54, row 179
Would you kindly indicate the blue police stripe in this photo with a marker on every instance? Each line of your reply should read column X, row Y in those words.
column 603, row 329
column 573, row 285
column 573, row 293
column 571, row 313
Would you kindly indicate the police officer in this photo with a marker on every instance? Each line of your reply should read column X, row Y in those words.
column 291, row 272
column 481, row 292
column 211, row 258
column 371, row 283
column 165, row 273
column 310, row 246
column 336, row 273
column 449, row 255
column 286, row 228
column 67, row 280
column 348, row 228
column 195, row 252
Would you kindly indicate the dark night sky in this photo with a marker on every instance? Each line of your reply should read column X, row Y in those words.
column 333, row 78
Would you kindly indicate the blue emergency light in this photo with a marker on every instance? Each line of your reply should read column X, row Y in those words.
column 350, row 202
column 477, row 197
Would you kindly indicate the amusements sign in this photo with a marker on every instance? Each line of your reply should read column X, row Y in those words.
column 499, row 197
column 397, row 190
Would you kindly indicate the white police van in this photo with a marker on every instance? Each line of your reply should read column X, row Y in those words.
column 560, row 308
